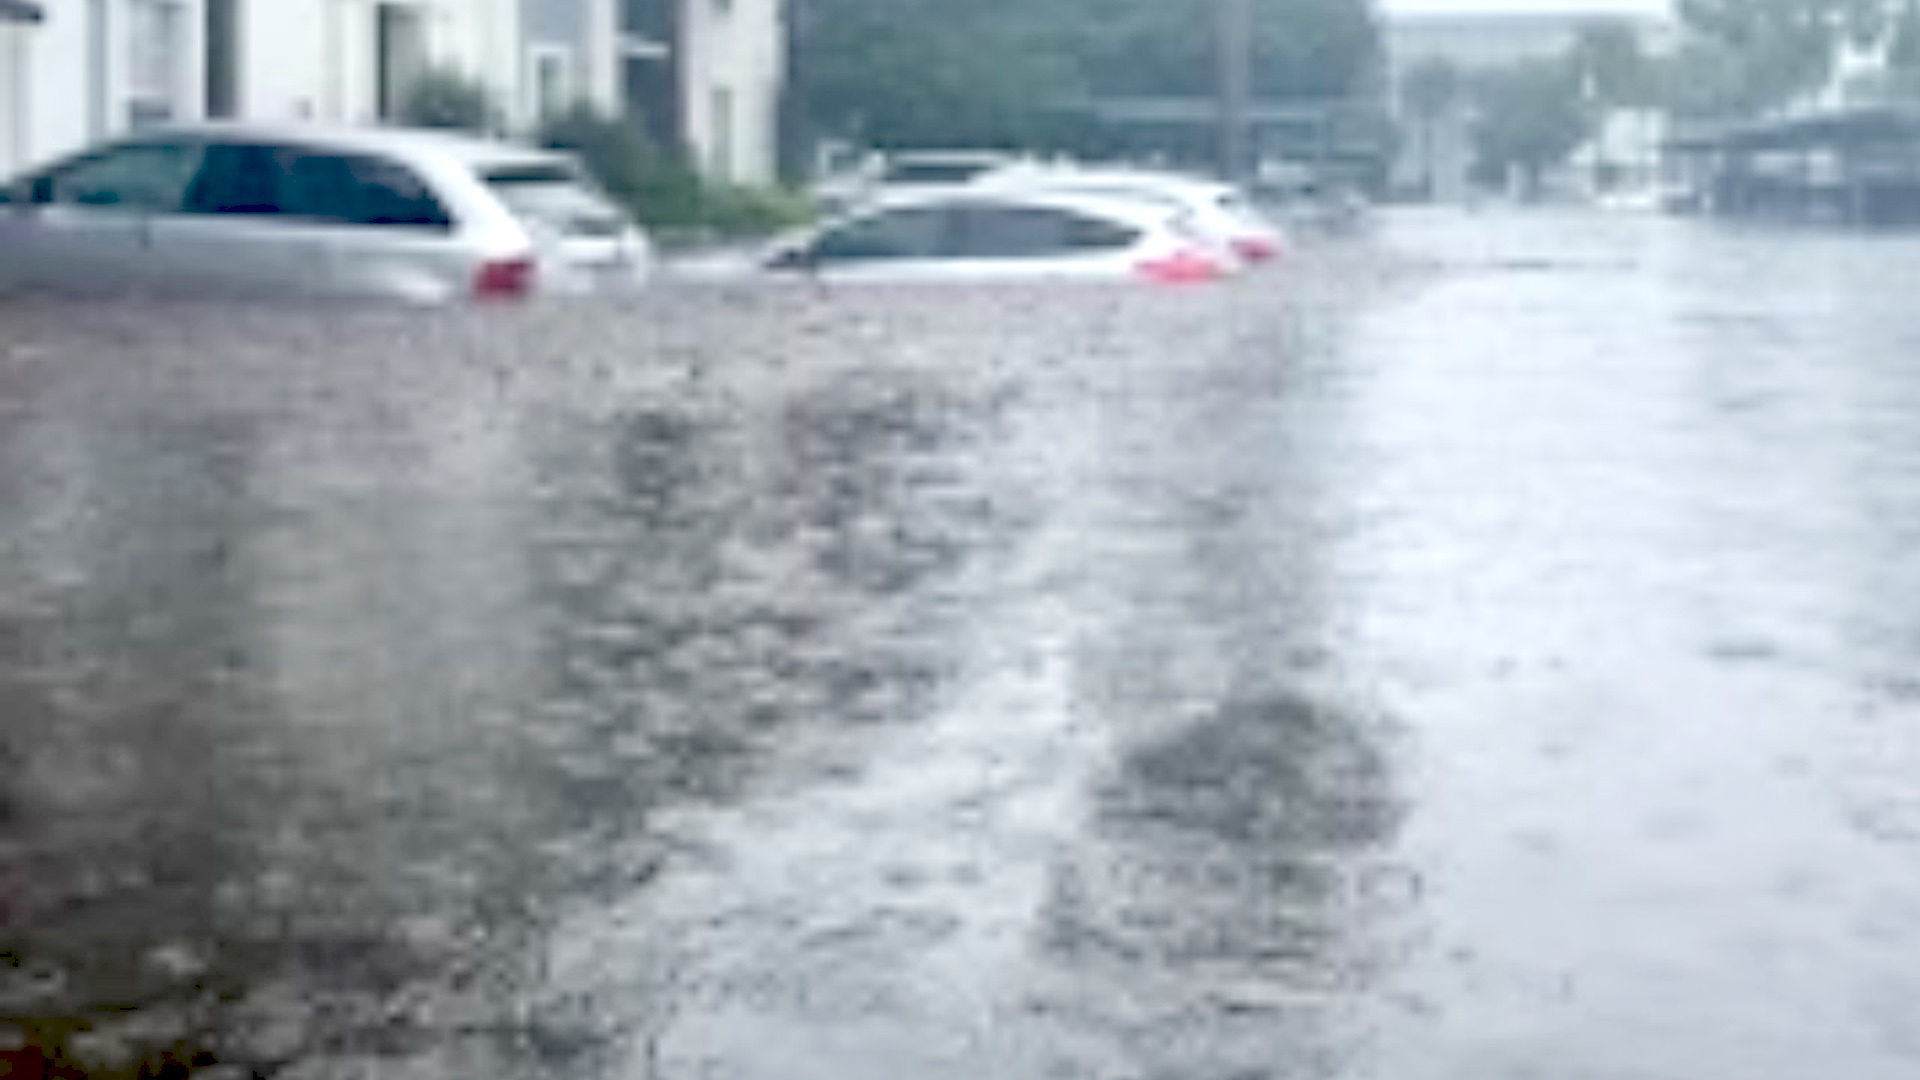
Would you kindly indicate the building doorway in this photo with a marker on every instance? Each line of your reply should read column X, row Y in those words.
column 223, row 58
column 400, row 56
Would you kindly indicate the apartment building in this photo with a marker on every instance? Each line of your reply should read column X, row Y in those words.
column 705, row 75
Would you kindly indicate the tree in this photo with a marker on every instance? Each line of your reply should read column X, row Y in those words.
column 1531, row 117
column 1762, row 54
column 447, row 98
column 1612, row 68
column 900, row 73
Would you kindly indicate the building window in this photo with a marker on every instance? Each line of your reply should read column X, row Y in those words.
column 154, row 52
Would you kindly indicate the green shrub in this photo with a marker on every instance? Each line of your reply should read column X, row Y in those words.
column 661, row 189
column 737, row 210
column 616, row 152
column 445, row 98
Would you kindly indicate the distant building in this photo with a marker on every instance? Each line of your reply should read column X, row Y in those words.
column 1438, row 147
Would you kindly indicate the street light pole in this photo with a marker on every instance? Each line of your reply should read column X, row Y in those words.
column 1234, row 51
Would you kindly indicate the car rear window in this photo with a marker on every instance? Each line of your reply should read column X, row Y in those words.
column 311, row 184
column 556, row 197
column 935, row 172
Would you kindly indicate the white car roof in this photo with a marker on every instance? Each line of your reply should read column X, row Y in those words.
column 467, row 150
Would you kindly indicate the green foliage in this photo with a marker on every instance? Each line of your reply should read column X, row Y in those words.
column 661, row 190
column 615, row 150
column 1754, row 55
column 1531, row 116
column 919, row 73
column 735, row 210
column 447, row 98
column 1610, row 65
column 1431, row 88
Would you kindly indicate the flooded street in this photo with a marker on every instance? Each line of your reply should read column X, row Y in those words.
column 1478, row 649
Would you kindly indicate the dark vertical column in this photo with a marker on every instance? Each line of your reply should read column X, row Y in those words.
column 223, row 58
column 1235, row 56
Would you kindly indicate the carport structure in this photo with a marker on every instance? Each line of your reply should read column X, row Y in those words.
column 15, row 16
column 1859, row 164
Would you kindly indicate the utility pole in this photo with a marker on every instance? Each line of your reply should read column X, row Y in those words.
column 1234, row 51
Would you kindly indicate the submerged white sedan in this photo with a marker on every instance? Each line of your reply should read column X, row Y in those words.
column 971, row 234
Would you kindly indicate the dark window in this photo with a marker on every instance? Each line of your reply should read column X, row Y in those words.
column 919, row 233
column 935, row 172
column 223, row 57
column 237, row 180
column 144, row 177
column 555, row 197
column 1017, row 232
column 350, row 188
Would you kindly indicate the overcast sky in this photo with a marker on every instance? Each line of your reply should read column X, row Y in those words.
column 1422, row 7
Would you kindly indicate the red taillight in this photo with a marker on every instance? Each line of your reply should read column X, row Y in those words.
column 1256, row 248
column 502, row 279
column 1181, row 267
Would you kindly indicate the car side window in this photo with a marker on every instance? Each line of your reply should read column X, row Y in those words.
column 1019, row 232
column 914, row 233
column 237, row 180
column 1085, row 233
column 313, row 186
column 143, row 178
column 362, row 190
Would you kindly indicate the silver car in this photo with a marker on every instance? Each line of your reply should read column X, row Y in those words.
column 305, row 210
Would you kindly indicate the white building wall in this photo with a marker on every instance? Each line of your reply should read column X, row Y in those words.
column 733, row 69
column 76, row 68
column 318, row 59
column 15, row 68
column 298, row 59
column 583, row 37
column 285, row 51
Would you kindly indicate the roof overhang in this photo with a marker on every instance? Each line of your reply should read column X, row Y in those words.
column 1829, row 129
column 22, row 11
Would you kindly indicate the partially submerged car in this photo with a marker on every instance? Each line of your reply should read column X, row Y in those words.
column 296, row 209
column 1220, row 210
column 1007, row 234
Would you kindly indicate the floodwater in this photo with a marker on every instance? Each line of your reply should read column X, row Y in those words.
column 1476, row 649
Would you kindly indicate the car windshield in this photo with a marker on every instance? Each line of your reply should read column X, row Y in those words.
column 556, row 197
column 936, row 172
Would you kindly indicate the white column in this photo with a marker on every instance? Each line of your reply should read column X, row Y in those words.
column 13, row 98
column 602, row 68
